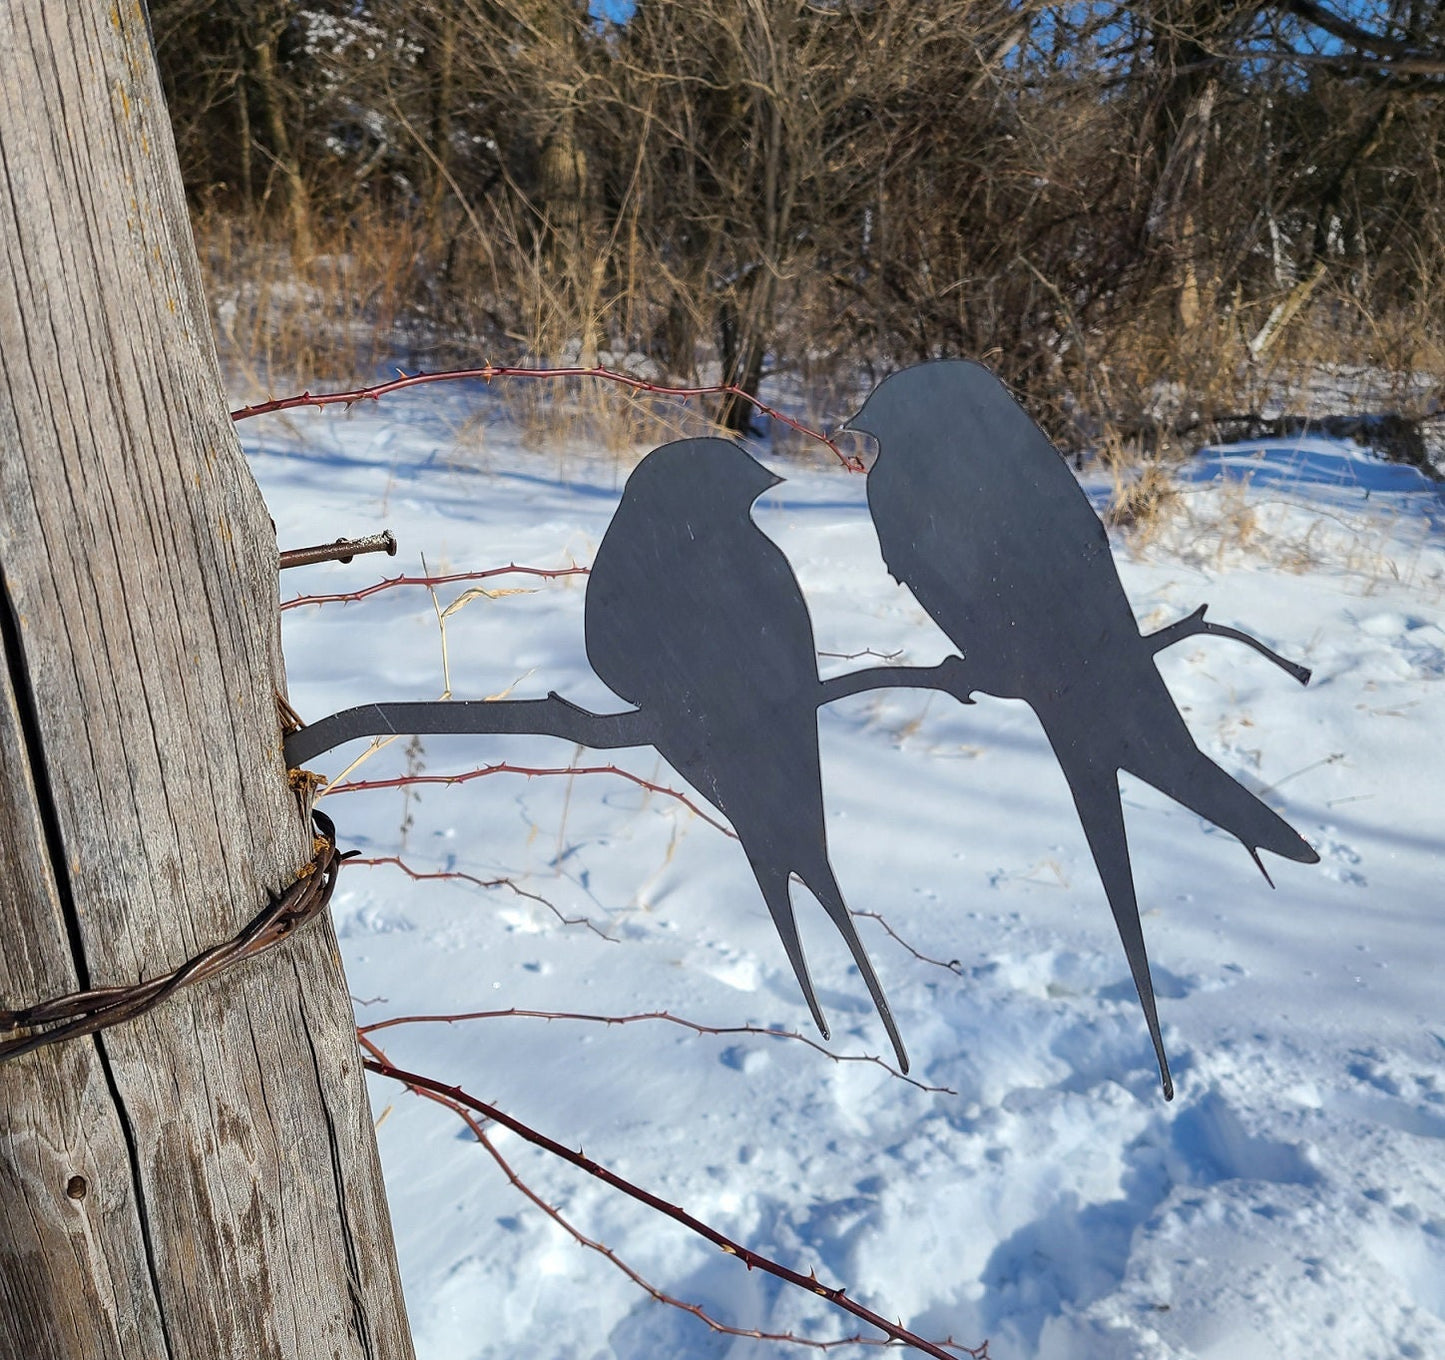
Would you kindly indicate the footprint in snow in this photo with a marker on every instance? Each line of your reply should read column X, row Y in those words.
column 1338, row 858
column 1387, row 1091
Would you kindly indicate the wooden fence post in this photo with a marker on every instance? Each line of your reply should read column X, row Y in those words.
column 203, row 1182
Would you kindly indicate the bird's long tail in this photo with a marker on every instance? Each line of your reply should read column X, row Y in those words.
column 1201, row 786
column 824, row 886
column 774, row 883
column 1096, row 797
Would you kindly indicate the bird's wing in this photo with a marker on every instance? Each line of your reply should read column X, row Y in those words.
column 981, row 516
column 717, row 621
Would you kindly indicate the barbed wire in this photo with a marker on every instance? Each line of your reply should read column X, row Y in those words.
column 77, row 1014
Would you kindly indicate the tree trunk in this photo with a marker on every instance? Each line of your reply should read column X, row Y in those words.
column 268, row 84
column 743, row 346
column 1178, row 199
column 243, row 127
column 440, row 64
column 202, row 1182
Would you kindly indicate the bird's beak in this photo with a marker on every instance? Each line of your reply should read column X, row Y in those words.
column 773, row 480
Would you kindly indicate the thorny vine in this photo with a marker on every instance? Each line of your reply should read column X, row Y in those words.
column 459, row 1101
column 390, row 582
column 520, row 1013
column 487, row 372
column 531, row 772
column 427, row 876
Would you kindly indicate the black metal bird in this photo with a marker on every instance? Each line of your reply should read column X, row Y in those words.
column 979, row 515
column 694, row 615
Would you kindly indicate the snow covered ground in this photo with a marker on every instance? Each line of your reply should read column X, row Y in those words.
column 1290, row 1202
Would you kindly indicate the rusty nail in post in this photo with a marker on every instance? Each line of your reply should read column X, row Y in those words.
column 343, row 550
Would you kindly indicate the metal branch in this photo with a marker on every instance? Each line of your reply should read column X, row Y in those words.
column 1195, row 625
column 949, row 675
column 555, row 716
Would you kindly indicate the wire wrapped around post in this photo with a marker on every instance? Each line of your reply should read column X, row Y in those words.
column 81, row 1013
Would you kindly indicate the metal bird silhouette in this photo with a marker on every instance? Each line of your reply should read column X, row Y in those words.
column 980, row 517
column 694, row 615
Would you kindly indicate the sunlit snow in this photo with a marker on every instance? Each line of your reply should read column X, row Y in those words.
column 1289, row 1203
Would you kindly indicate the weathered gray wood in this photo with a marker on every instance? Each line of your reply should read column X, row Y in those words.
column 231, row 1203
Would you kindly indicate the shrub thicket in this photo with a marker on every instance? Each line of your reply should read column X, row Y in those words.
column 1136, row 209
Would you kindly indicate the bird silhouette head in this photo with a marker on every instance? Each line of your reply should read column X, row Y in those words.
column 699, row 473
column 911, row 402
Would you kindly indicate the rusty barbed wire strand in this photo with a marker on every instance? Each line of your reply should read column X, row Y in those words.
column 82, row 1013
column 488, row 372
column 836, row 1295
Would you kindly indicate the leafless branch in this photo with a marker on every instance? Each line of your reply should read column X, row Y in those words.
column 391, row 582
column 424, row 876
column 530, row 772
column 696, row 1027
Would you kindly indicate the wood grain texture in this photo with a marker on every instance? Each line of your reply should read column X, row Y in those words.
column 232, row 1202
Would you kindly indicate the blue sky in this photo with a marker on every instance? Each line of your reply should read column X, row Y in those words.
column 616, row 10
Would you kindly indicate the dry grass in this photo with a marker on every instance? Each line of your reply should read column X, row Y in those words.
column 593, row 413
column 280, row 323
column 1143, row 500
column 377, row 292
column 369, row 296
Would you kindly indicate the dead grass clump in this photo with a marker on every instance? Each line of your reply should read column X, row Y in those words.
column 1143, row 501
column 597, row 413
column 280, row 321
